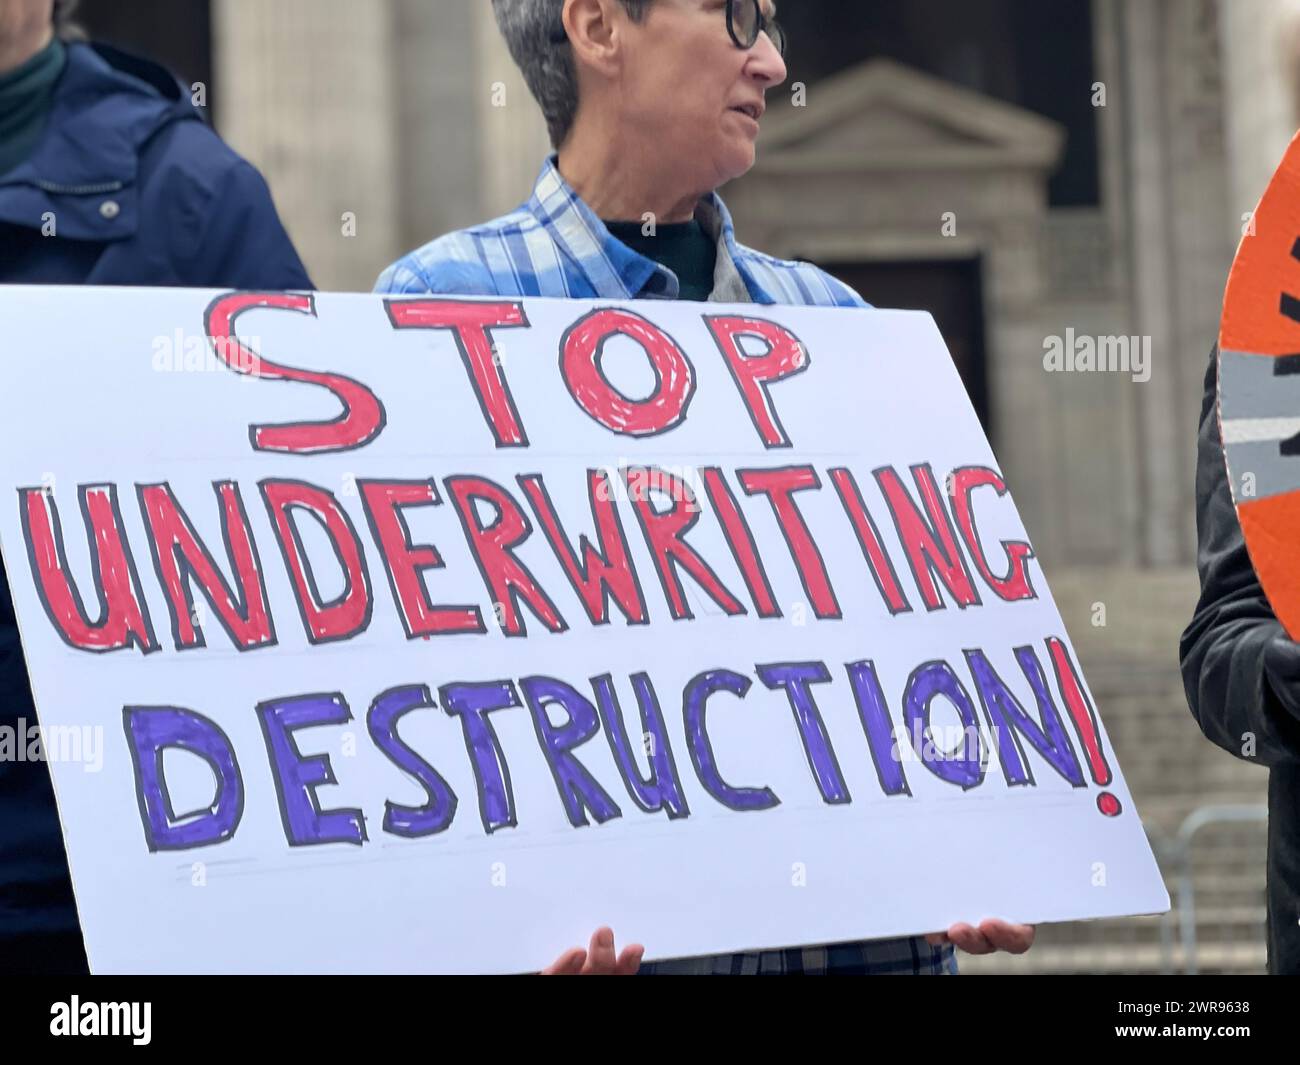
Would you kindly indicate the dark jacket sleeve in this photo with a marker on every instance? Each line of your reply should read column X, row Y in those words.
column 1241, row 671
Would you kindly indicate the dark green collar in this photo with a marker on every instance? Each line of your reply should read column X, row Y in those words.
column 26, row 95
column 682, row 247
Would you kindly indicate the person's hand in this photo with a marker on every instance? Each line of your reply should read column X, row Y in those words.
column 988, row 938
column 598, row 959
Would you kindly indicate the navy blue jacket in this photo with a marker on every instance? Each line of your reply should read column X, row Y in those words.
column 127, row 186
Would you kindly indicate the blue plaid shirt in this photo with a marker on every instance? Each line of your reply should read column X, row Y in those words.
column 555, row 246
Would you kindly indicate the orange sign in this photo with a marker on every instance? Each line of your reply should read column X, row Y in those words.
column 1259, row 388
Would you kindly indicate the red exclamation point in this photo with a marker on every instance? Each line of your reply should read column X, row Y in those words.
column 1085, row 723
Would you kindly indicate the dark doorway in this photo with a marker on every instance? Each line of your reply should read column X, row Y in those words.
column 175, row 33
column 952, row 291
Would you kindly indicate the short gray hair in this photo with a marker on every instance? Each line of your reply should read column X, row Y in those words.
column 529, row 27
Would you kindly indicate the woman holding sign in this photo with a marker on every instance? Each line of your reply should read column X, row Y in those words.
column 651, row 105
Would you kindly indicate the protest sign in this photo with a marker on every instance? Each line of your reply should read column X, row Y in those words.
column 1259, row 388
column 431, row 633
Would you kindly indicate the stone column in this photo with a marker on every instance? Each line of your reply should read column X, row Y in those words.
column 1261, row 61
column 1179, row 245
column 435, row 67
column 514, row 140
column 306, row 92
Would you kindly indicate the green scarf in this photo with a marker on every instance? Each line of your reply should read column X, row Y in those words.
column 26, row 94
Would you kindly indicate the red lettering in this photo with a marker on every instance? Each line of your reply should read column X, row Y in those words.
column 506, row 577
column 405, row 561
column 931, row 546
column 349, row 612
column 664, row 532
column 864, row 527
column 179, row 556
column 785, row 356
column 601, row 572
column 741, row 541
column 362, row 417
column 580, row 363
column 779, row 486
column 470, row 322
column 123, row 614
column 1016, row 584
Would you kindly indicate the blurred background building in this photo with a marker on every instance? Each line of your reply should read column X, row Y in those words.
column 1018, row 168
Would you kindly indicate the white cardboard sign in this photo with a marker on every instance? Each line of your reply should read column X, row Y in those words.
column 430, row 634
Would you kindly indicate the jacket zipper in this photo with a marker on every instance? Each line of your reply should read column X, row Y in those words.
column 79, row 190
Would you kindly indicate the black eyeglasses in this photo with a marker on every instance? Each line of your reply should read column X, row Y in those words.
column 745, row 21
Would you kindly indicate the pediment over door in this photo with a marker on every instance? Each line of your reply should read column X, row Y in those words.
column 884, row 115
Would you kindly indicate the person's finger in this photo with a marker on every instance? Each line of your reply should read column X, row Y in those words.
column 600, row 955
column 1003, row 935
column 630, row 960
column 970, row 939
column 938, row 939
column 567, row 964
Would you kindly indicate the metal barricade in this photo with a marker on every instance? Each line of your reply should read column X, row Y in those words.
column 1179, row 854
